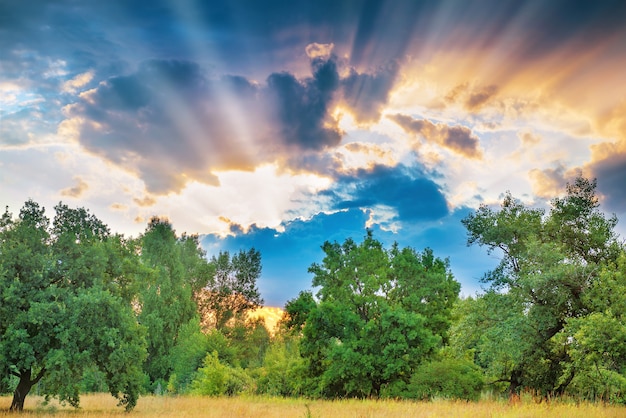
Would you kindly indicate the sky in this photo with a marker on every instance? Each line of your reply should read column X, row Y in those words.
column 280, row 124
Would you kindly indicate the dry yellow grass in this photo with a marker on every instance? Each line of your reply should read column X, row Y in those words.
column 187, row 406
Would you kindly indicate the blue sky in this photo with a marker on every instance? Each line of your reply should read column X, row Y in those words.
column 282, row 124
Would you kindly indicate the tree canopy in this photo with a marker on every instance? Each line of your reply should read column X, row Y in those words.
column 524, row 329
column 380, row 314
column 63, row 286
column 231, row 289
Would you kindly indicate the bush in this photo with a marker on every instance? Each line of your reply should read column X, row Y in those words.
column 211, row 379
column 283, row 371
column 215, row 378
column 447, row 378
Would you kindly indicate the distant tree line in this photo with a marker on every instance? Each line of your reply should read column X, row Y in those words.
column 86, row 310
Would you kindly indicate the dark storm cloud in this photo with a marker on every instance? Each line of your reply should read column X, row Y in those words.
column 459, row 139
column 406, row 190
column 302, row 107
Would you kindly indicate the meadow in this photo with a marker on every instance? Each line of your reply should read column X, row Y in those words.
column 103, row 405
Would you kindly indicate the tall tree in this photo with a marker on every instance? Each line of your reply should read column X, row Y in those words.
column 232, row 291
column 549, row 262
column 59, row 312
column 166, row 298
column 380, row 314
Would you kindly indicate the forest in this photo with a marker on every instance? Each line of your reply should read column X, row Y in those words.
column 84, row 309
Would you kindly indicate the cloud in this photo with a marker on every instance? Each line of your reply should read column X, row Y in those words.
column 528, row 138
column 472, row 97
column 169, row 123
column 79, row 81
column 316, row 50
column 406, row 191
column 608, row 165
column 458, row 139
column 301, row 108
column 76, row 191
column 118, row 207
column 550, row 182
column 367, row 94
column 145, row 201
column 611, row 174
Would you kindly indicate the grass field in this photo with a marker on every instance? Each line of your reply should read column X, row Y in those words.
column 103, row 405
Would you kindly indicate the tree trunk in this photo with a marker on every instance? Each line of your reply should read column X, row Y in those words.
column 514, row 384
column 23, row 387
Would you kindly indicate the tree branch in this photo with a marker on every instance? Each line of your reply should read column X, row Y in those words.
column 500, row 381
column 39, row 376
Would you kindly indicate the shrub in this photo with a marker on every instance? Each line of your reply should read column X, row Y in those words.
column 211, row 379
column 447, row 378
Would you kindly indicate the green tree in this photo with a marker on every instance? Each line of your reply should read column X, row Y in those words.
column 549, row 263
column 297, row 311
column 380, row 314
column 187, row 355
column 249, row 340
column 62, row 306
column 232, row 290
column 166, row 296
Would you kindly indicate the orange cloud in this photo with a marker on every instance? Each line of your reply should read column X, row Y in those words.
column 458, row 139
column 77, row 190
column 145, row 201
column 548, row 183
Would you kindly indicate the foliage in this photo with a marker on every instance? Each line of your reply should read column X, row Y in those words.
column 597, row 342
column 166, row 294
column 297, row 311
column 283, row 370
column 187, row 356
column 249, row 341
column 380, row 314
column 231, row 290
column 65, row 288
column 550, row 266
column 211, row 377
column 447, row 378
column 215, row 378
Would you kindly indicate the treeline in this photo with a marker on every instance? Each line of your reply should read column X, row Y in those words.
column 87, row 310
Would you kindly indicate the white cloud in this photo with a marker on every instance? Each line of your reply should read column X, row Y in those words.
column 79, row 81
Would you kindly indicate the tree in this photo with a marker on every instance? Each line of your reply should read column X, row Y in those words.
column 187, row 356
column 166, row 296
column 232, row 291
column 62, row 306
column 381, row 313
column 297, row 311
column 549, row 263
